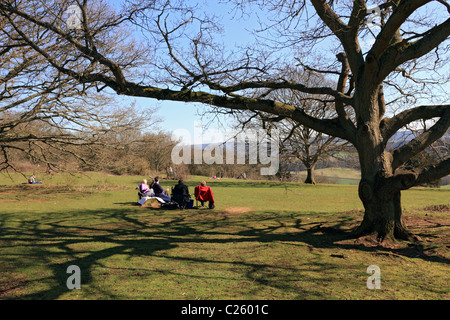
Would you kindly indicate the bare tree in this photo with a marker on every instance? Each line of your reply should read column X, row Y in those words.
column 45, row 114
column 407, row 52
column 311, row 147
column 156, row 148
column 297, row 141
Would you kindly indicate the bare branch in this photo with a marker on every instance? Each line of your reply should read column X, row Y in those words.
column 346, row 35
column 422, row 141
column 432, row 173
column 399, row 15
column 390, row 126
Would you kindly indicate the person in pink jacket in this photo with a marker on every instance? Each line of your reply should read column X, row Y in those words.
column 144, row 189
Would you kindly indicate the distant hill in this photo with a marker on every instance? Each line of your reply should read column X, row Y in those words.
column 402, row 137
column 396, row 141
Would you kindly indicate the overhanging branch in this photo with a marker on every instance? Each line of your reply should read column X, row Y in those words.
column 327, row 126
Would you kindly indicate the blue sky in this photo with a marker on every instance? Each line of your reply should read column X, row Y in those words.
column 178, row 115
column 175, row 115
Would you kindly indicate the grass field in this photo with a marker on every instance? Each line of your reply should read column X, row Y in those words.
column 264, row 240
column 334, row 175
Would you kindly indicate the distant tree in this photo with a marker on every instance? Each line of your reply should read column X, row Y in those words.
column 156, row 148
column 296, row 140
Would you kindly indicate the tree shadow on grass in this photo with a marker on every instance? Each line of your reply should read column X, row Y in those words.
column 54, row 241
column 340, row 236
column 128, row 204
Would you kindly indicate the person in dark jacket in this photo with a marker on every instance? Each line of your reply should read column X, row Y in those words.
column 159, row 191
column 180, row 194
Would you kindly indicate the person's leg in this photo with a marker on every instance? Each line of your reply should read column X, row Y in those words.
column 178, row 199
column 185, row 202
column 163, row 196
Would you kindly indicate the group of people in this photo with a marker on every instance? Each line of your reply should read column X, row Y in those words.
column 180, row 193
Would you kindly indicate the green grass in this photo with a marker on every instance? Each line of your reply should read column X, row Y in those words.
column 264, row 240
column 333, row 175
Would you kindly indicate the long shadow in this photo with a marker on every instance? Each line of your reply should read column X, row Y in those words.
column 56, row 235
column 331, row 237
column 135, row 234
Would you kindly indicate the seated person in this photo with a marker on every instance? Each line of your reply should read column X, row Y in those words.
column 180, row 194
column 144, row 189
column 159, row 191
column 204, row 193
column 32, row 180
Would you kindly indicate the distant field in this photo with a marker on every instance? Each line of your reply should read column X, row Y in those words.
column 335, row 175
column 264, row 240
column 342, row 176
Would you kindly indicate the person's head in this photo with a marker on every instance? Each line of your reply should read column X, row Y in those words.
column 144, row 181
column 181, row 181
column 203, row 183
column 156, row 179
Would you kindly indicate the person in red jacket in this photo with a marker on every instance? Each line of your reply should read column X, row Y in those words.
column 204, row 193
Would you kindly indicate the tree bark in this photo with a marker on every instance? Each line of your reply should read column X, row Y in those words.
column 383, row 212
column 380, row 185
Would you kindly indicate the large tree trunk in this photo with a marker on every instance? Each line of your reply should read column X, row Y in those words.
column 383, row 211
column 379, row 188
